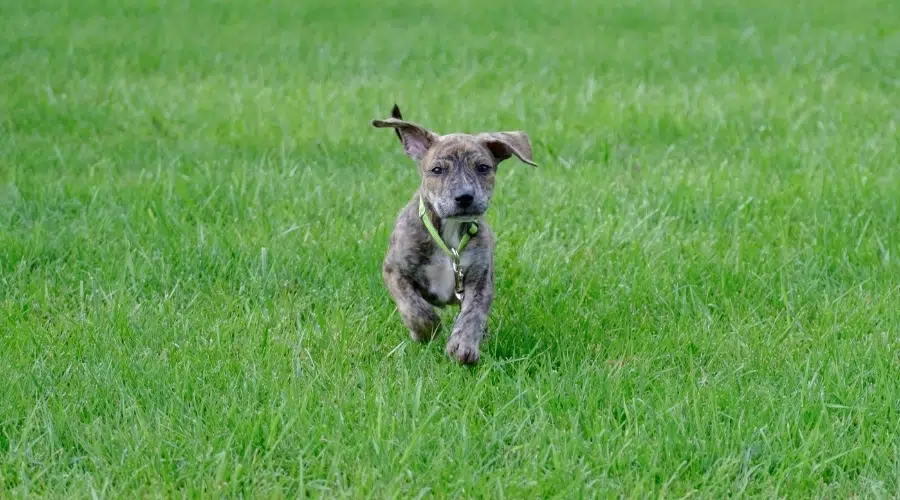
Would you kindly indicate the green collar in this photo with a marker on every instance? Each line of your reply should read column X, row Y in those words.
column 453, row 253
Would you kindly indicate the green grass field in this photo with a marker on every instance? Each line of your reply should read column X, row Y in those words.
column 698, row 290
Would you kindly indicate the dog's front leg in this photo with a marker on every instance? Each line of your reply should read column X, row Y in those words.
column 416, row 313
column 474, row 311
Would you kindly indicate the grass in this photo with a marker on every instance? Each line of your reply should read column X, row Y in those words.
column 697, row 288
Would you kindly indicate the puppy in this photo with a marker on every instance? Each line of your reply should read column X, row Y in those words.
column 441, row 250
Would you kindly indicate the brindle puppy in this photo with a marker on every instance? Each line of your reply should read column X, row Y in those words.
column 457, row 181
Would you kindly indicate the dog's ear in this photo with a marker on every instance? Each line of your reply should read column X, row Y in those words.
column 506, row 144
column 416, row 139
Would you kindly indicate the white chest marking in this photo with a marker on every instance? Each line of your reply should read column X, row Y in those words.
column 441, row 282
column 439, row 270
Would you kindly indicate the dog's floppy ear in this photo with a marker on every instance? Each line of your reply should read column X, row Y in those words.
column 416, row 139
column 506, row 144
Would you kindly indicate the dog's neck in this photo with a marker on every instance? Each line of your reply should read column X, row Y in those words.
column 451, row 231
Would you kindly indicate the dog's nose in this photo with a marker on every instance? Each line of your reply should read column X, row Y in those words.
column 464, row 200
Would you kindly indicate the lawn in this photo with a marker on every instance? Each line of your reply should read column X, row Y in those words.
column 698, row 289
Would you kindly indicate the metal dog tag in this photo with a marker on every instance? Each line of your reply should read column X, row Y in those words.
column 458, row 275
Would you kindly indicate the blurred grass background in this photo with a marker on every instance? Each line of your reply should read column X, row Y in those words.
column 697, row 288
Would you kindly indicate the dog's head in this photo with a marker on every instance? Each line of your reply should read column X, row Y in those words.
column 457, row 169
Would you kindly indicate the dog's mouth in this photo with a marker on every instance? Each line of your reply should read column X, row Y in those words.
column 466, row 216
column 459, row 214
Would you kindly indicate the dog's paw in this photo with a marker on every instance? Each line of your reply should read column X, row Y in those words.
column 425, row 330
column 463, row 350
column 424, row 337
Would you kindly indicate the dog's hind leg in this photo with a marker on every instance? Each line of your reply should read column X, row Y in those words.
column 417, row 314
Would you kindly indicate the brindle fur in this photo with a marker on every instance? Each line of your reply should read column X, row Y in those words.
column 417, row 273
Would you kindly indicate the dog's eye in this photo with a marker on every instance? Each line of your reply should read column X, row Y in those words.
column 483, row 169
column 437, row 170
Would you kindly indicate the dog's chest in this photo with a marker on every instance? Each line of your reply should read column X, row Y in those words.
column 439, row 269
column 439, row 273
